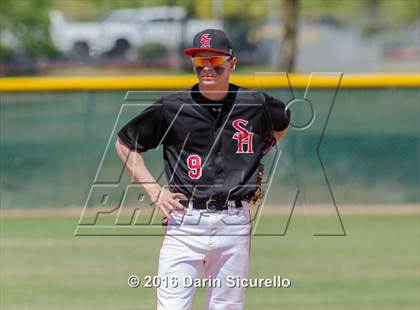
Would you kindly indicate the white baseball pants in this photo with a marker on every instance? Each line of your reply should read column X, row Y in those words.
column 216, row 243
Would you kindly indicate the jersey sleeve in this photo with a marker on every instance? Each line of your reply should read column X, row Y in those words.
column 276, row 116
column 146, row 130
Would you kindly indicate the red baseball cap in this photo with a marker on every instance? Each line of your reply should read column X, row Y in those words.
column 211, row 40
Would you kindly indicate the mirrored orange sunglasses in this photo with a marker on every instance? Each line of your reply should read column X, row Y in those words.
column 214, row 61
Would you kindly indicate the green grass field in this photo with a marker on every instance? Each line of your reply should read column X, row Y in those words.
column 376, row 266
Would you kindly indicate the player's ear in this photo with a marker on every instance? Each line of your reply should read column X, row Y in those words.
column 233, row 64
column 192, row 63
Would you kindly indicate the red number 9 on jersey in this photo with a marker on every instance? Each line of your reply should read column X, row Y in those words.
column 194, row 164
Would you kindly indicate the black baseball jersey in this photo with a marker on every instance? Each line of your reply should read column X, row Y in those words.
column 211, row 149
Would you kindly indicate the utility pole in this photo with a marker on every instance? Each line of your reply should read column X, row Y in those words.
column 289, row 41
column 218, row 10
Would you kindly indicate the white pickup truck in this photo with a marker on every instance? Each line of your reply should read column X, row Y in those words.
column 125, row 28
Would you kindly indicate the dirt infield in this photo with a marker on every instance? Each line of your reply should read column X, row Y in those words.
column 269, row 209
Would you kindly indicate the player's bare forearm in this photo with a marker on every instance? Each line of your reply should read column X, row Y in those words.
column 136, row 167
column 134, row 163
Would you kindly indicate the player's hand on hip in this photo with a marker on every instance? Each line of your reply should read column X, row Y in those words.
column 168, row 201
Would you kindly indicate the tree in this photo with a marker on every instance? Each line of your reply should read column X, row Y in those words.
column 27, row 21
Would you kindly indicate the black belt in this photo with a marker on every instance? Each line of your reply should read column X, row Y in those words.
column 211, row 205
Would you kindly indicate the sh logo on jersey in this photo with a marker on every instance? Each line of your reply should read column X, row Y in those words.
column 243, row 136
column 205, row 40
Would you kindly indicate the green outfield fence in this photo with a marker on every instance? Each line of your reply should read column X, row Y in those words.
column 54, row 132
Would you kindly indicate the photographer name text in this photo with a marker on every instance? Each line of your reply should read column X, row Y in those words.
column 276, row 281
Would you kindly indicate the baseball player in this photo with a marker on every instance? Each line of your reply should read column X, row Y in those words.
column 214, row 136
